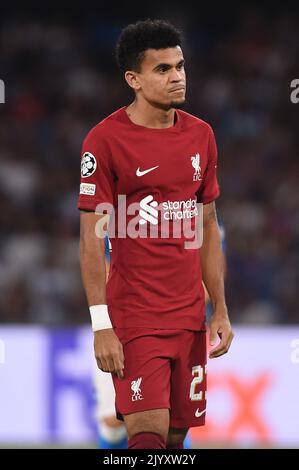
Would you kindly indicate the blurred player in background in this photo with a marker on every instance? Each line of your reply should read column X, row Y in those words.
column 112, row 432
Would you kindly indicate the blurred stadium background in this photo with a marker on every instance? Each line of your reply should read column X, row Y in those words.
column 60, row 79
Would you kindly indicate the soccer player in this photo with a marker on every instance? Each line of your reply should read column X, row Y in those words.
column 153, row 159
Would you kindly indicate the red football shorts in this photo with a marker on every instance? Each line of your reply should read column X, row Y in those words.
column 163, row 369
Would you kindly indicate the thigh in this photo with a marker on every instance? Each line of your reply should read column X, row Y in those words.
column 188, row 381
column 156, row 421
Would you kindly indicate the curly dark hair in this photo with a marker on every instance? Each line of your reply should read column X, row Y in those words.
column 136, row 38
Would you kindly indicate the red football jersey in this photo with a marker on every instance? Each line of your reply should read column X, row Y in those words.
column 161, row 174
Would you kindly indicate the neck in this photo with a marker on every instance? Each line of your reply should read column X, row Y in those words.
column 147, row 115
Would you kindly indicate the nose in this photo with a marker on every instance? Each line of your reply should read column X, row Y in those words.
column 176, row 75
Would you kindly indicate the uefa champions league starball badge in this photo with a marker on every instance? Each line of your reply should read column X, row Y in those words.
column 88, row 164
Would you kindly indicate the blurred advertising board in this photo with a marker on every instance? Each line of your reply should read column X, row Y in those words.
column 46, row 388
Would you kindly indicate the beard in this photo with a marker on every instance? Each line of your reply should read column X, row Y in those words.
column 172, row 104
column 178, row 104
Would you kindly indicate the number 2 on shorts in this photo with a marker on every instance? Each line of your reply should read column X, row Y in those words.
column 198, row 371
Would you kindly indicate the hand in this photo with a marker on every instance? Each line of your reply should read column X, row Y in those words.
column 109, row 352
column 220, row 326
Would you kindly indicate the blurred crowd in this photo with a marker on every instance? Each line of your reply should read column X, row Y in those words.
column 62, row 79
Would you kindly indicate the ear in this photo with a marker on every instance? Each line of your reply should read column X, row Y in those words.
column 132, row 80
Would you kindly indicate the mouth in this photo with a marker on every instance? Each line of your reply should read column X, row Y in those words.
column 181, row 88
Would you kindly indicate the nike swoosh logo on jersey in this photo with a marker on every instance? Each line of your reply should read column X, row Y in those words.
column 141, row 173
column 199, row 414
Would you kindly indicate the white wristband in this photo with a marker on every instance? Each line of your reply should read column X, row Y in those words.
column 100, row 319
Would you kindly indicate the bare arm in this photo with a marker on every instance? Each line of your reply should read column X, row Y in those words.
column 212, row 264
column 108, row 349
column 207, row 297
column 92, row 259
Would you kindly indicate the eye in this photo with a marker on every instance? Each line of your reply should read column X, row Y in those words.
column 163, row 69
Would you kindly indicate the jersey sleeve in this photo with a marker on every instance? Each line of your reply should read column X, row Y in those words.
column 209, row 188
column 97, row 184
